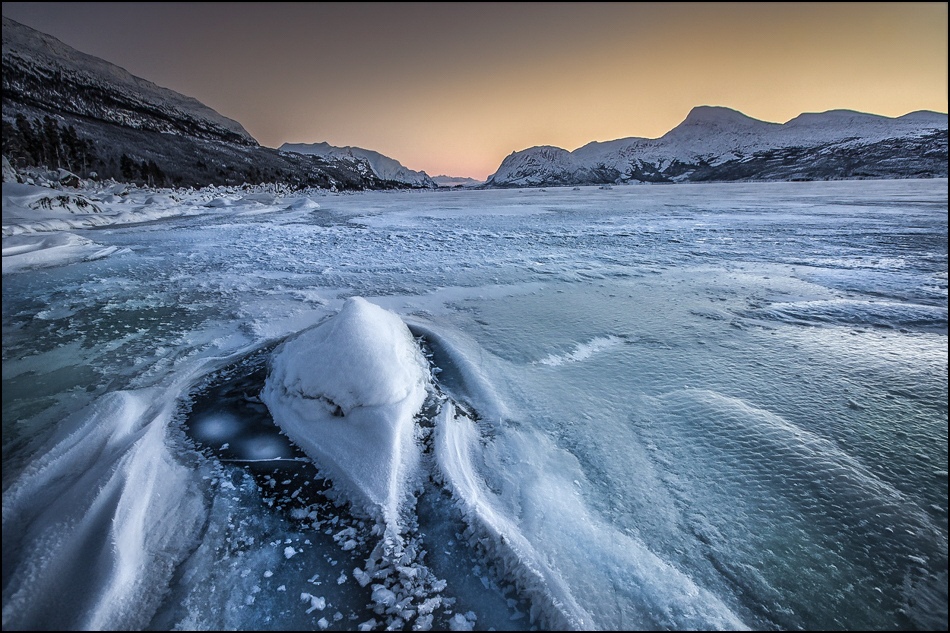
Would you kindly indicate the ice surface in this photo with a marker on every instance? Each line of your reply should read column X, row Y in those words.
column 703, row 406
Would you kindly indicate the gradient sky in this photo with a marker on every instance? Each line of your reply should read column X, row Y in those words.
column 454, row 88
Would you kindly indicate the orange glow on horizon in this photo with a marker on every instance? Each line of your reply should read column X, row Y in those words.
column 454, row 88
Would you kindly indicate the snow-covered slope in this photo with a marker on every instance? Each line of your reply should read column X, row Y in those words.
column 65, row 109
column 539, row 166
column 717, row 143
column 40, row 68
column 383, row 167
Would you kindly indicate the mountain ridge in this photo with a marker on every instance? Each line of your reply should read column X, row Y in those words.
column 66, row 109
column 718, row 143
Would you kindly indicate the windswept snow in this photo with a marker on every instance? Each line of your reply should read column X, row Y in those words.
column 485, row 481
column 108, row 513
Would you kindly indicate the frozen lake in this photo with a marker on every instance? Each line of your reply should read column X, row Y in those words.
column 661, row 407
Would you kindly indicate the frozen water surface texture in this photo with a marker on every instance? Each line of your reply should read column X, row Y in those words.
column 715, row 406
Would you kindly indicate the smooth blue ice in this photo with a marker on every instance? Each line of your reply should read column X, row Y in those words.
column 664, row 407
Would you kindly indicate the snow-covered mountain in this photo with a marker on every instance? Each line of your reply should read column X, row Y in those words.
column 717, row 143
column 456, row 181
column 65, row 109
column 384, row 167
column 39, row 69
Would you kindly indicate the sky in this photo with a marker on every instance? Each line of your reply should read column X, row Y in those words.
column 453, row 88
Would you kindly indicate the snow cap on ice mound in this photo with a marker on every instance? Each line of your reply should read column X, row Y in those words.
column 346, row 392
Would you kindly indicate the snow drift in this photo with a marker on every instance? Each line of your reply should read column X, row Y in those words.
column 97, row 526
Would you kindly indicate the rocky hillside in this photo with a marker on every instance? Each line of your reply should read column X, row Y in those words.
column 720, row 144
column 66, row 109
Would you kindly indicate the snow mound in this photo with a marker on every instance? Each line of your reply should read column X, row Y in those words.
column 303, row 204
column 346, row 391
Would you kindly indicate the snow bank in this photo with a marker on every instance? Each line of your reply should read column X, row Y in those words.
column 456, row 438
column 35, row 209
column 96, row 526
column 346, row 392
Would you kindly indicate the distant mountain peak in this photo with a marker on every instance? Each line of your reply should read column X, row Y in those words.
column 718, row 115
column 929, row 115
column 838, row 118
column 705, row 119
column 443, row 180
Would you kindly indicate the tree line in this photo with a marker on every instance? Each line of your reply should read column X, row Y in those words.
column 46, row 144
